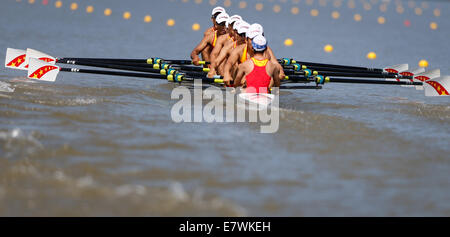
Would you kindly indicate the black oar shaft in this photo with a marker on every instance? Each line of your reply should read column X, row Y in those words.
column 107, row 60
column 363, row 81
column 114, row 73
column 295, row 79
column 331, row 69
column 311, row 64
column 136, row 74
column 130, row 60
column 108, row 65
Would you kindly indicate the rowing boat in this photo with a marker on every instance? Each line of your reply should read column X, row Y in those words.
column 42, row 67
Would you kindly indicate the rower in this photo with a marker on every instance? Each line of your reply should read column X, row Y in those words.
column 257, row 29
column 240, row 54
column 215, row 12
column 258, row 74
column 224, row 41
column 209, row 41
column 218, row 64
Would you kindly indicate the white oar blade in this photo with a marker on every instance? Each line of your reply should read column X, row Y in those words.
column 425, row 76
column 42, row 71
column 411, row 74
column 396, row 68
column 15, row 58
column 32, row 53
column 437, row 87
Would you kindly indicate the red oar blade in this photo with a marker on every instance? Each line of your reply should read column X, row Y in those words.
column 42, row 71
column 437, row 87
column 425, row 76
column 396, row 68
column 32, row 53
column 15, row 58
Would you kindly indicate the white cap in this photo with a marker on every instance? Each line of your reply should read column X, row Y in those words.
column 233, row 19
column 243, row 27
column 217, row 10
column 259, row 43
column 255, row 29
column 237, row 23
column 222, row 17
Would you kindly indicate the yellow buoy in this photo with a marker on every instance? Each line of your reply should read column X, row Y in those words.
column 437, row 12
column 335, row 14
column 328, row 48
column 433, row 25
column 30, row 1
column 196, row 27
column 309, row 2
column 242, row 4
column 259, row 6
column 314, row 12
column 418, row 11
column 227, row 3
column 148, row 19
column 295, row 10
column 381, row 20
column 126, row 15
column 288, row 42
column 423, row 63
column 107, row 12
column 367, row 6
column 73, row 6
column 276, row 8
column 89, row 9
column 198, row 1
column 212, row 2
column 357, row 17
column 171, row 22
column 58, row 4
column 371, row 55
column 400, row 9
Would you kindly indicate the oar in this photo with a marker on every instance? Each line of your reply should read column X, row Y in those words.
column 287, row 61
column 44, row 71
column 148, row 60
column 308, row 72
column 433, row 87
column 388, row 70
column 164, row 69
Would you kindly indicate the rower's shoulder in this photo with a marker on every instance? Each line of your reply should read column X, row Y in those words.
column 208, row 31
column 239, row 48
column 222, row 38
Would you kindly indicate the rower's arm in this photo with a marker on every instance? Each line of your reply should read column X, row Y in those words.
column 223, row 54
column 215, row 52
column 239, row 75
column 234, row 57
column 198, row 49
column 276, row 75
column 275, row 61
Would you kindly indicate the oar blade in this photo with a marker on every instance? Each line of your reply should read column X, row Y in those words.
column 437, row 87
column 425, row 76
column 15, row 58
column 42, row 71
column 32, row 53
column 396, row 68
